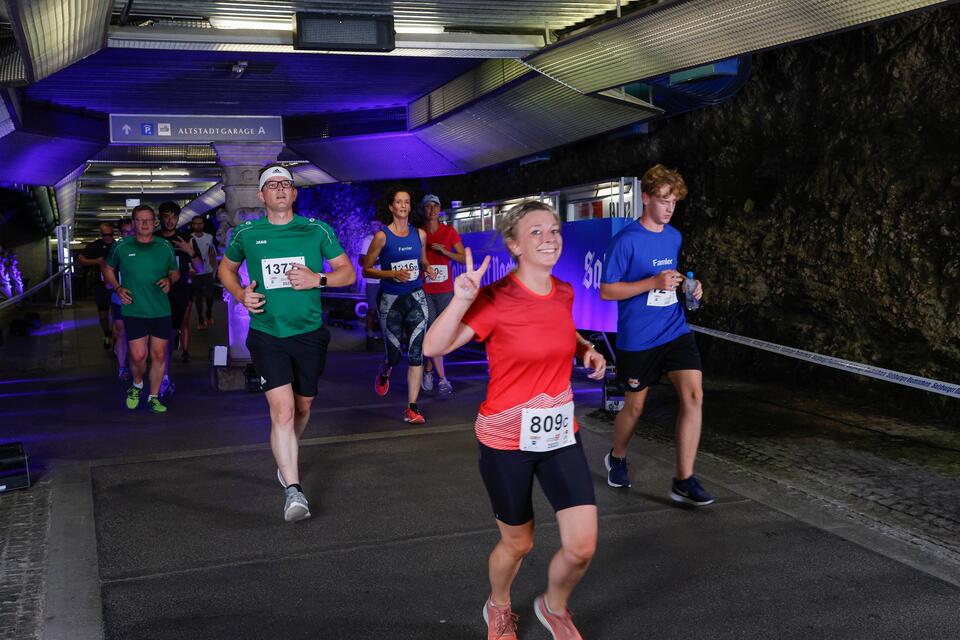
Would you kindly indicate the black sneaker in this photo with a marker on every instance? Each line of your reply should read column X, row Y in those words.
column 618, row 476
column 185, row 356
column 690, row 492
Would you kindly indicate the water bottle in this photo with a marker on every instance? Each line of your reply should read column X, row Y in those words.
column 689, row 286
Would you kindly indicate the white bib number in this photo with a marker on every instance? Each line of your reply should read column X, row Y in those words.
column 412, row 266
column 547, row 429
column 439, row 273
column 275, row 271
column 661, row 298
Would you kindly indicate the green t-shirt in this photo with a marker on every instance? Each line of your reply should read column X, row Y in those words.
column 270, row 250
column 142, row 264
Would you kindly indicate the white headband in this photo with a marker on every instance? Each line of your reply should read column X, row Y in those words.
column 274, row 172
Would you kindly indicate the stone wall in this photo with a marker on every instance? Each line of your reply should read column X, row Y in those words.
column 823, row 206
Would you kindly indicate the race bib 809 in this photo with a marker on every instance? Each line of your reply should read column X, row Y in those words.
column 547, row 429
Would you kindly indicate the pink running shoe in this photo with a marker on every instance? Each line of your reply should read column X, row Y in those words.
column 501, row 622
column 560, row 625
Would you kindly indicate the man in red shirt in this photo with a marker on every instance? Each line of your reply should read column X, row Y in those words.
column 443, row 245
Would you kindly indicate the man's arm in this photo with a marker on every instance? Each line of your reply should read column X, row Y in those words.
column 667, row 280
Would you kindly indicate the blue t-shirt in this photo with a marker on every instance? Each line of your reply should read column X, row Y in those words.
column 400, row 253
column 655, row 317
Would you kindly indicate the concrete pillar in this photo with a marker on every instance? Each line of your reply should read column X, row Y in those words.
column 240, row 165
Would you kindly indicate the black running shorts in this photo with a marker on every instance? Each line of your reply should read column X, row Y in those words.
column 180, row 299
column 298, row 360
column 508, row 476
column 101, row 295
column 637, row 370
column 137, row 328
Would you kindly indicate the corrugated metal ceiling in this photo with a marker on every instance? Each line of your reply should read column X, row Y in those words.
column 508, row 15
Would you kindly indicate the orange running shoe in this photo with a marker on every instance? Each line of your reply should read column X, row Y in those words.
column 412, row 415
column 560, row 625
column 381, row 384
column 501, row 621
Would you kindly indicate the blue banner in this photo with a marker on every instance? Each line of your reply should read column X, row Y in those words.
column 585, row 244
column 165, row 129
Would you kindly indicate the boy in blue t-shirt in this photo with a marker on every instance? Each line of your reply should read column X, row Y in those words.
column 641, row 274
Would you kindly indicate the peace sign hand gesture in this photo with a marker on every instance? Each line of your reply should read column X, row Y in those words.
column 467, row 284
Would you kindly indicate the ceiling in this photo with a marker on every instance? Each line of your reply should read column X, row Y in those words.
column 470, row 84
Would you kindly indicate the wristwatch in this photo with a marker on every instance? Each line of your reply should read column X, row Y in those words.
column 323, row 280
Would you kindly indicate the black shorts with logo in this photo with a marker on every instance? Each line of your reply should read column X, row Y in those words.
column 646, row 367
column 298, row 360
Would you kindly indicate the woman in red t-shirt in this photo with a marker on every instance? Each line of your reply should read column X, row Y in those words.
column 526, row 427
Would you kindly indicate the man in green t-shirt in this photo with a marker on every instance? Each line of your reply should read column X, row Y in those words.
column 285, row 253
column 149, row 269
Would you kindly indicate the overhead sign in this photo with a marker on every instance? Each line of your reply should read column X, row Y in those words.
column 161, row 129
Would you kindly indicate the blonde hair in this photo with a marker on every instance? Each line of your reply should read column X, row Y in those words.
column 507, row 223
column 659, row 176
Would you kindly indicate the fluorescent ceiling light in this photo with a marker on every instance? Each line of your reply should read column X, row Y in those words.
column 241, row 23
column 144, row 185
column 149, row 172
column 418, row 28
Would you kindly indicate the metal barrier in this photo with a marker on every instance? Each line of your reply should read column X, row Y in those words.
column 906, row 379
column 29, row 292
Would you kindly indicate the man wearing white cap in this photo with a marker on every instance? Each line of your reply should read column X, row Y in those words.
column 285, row 254
column 443, row 245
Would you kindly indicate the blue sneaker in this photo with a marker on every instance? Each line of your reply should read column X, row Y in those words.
column 618, row 476
column 690, row 492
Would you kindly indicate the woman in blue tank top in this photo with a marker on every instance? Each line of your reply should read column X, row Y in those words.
column 399, row 249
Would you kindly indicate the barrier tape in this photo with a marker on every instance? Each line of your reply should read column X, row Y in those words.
column 906, row 379
column 14, row 300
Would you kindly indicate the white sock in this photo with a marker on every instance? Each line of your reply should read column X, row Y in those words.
column 138, row 385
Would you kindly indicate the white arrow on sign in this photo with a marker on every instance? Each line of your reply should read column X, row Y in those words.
column 126, row 129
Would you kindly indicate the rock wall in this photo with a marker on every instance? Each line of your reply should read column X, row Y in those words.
column 823, row 205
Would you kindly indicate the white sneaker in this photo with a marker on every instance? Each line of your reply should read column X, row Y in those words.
column 444, row 387
column 296, row 507
column 427, row 382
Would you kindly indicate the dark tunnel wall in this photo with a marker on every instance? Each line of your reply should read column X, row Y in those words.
column 823, row 206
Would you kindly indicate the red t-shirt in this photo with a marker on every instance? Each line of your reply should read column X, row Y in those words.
column 448, row 237
column 531, row 341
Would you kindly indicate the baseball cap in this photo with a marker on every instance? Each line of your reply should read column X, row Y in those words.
column 430, row 198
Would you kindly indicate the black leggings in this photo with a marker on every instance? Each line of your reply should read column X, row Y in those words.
column 403, row 320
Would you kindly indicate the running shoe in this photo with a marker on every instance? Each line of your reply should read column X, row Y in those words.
column 618, row 476
column 107, row 344
column 690, row 492
column 426, row 383
column 412, row 415
column 501, row 621
column 296, row 507
column 444, row 387
column 283, row 483
column 560, row 625
column 155, row 405
column 185, row 356
column 166, row 388
column 124, row 374
column 381, row 384
column 133, row 398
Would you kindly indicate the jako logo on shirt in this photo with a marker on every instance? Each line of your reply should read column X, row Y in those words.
column 261, row 242
column 131, row 255
column 663, row 263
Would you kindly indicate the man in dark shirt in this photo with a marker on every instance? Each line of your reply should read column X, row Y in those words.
column 180, row 293
column 92, row 256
